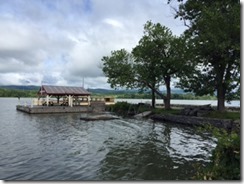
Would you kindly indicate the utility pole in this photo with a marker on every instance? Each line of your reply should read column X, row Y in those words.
column 83, row 82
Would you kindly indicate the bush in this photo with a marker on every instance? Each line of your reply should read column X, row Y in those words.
column 120, row 108
column 225, row 160
column 125, row 108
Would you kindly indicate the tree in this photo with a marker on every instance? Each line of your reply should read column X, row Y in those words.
column 119, row 69
column 122, row 71
column 214, row 34
column 158, row 58
column 153, row 62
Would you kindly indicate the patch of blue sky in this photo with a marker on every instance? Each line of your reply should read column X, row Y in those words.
column 75, row 6
column 52, row 63
column 4, row 8
column 81, row 8
column 8, row 9
column 50, row 5
column 87, row 6
column 40, row 10
column 20, row 10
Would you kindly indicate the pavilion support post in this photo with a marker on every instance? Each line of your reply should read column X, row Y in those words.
column 89, row 100
column 69, row 100
column 47, row 99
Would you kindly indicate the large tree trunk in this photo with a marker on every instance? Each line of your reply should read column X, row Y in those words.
column 153, row 99
column 168, row 95
column 165, row 98
column 221, row 97
column 221, row 90
column 166, row 104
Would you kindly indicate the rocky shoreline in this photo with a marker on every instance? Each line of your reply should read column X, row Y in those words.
column 194, row 115
column 229, row 125
column 191, row 115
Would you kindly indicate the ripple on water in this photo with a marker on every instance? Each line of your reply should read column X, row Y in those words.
column 62, row 147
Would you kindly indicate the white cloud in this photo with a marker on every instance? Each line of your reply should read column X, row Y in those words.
column 113, row 22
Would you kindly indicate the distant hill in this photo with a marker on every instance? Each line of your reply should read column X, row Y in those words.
column 95, row 90
column 176, row 91
column 110, row 91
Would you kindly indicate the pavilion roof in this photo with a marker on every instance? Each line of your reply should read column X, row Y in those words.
column 62, row 90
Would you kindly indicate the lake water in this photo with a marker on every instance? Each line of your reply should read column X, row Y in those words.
column 63, row 147
column 234, row 103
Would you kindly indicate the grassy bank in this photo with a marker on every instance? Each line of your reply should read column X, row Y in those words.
column 127, row 109
column 224, row 115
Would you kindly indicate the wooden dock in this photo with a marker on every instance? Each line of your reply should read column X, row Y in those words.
column 53, row 109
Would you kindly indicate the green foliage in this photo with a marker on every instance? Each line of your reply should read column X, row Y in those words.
column 120, row 108
column 225, row 161
column 152, row 54
column 127, row 109
column 119, row 69
column 158, row 58
column 214, row 40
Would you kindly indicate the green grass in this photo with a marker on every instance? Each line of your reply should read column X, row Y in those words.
column 163, row 111
column 224, row 115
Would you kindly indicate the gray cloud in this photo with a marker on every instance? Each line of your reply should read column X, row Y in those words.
column 63, row 41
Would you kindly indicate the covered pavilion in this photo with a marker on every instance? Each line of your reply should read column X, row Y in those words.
column 62, row 95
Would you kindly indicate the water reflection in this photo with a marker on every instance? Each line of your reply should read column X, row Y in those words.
column 147, row 158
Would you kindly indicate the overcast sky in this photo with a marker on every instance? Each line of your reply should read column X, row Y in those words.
column 58, row 42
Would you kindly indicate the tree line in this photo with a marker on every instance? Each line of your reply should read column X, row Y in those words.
column 205, row 59
column 17, row 93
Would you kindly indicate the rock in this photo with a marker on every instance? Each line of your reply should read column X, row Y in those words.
column 196, row 110
column 93, row 117
column 143, row 114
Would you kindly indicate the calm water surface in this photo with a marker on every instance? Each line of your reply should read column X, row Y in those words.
column 234, row 103
column 62, row 147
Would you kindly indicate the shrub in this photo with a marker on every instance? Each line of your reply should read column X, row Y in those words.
column 125, row 108
column 225, row 160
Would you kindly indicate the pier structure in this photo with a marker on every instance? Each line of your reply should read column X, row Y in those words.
column 65, row 99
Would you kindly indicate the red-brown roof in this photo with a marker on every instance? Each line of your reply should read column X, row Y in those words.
column 62, row 90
